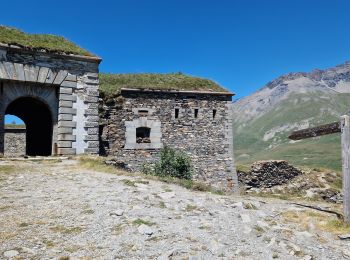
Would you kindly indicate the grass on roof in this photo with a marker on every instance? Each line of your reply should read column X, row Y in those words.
column 48, row 42
column 111, row 84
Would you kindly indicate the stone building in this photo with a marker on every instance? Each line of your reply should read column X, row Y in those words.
column 137, row 123
column 15, row 141
column 55, row 92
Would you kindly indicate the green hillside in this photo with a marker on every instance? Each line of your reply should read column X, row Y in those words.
column 311, row 109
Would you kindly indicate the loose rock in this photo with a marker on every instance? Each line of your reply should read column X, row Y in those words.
column 11, row 253
column 145, row 230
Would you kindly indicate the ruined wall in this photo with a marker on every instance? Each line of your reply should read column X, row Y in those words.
column 73, row 78
column 15, row 142
column 199, row 124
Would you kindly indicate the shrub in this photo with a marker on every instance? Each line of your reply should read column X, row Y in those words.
column 172, row 163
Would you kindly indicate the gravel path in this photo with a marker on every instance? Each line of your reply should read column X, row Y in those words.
column 55, row 210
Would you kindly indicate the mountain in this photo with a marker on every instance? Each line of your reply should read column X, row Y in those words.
column 263, row 120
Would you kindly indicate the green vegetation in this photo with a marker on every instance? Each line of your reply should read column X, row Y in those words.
column 322, row 221
column 51, row 43
column 97, row 164
column 66, row 230
column 128, row 182
column 323, row 152
column 190, row 207
column 172, row 163
column 139, row 221
column 15, row 126
column 111, row 84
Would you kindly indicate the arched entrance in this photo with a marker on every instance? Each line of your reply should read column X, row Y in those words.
column 38, row 119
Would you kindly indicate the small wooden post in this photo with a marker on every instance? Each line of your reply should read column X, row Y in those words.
column 345, row 143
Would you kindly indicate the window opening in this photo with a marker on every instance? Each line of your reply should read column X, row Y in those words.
column 143, row 135
column 214, row 113
column 196, row 113
column 143, row 112
column 176, row 113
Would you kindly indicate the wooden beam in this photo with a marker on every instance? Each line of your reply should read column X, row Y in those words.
column 316, row 131
column 345, row 145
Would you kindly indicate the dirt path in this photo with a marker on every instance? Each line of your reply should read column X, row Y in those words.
column 55, row 210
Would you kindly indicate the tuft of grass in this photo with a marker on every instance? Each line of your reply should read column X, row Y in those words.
column 139, row 221
column 118, row 229
column 48, row 243
column 7, row 168
column 167, row 189
column 128, row 182
column 66, row 230
column 48, row 42
column 243, row 168
column 190, row 207
column 96, row 164
column 162, row 205
column 249, row 205
column 111, row 84
column 88, row 211
column 23, row 224
column 322, row 221
column 259, row 229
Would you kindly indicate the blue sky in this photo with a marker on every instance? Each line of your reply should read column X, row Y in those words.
column 241, row 44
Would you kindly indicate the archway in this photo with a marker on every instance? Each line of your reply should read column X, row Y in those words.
column 38, row 120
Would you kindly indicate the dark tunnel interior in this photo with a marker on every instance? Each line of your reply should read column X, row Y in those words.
column 37, row 117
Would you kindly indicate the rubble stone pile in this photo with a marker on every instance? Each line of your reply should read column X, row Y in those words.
column 266, row 174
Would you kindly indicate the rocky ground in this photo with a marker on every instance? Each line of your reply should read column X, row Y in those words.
column 59, row 210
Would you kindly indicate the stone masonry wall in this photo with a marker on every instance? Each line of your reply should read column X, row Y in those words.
column 75, row 79
column 207, row 138
column 15, row 142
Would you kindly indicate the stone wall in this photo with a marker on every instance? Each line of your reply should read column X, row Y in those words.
column 15, row 142
column 75, row 81
column 198, row 123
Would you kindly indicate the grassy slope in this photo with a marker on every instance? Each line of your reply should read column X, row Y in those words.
column 48, row 42
column 14, row 126
column 317, row 152
column 112, row 83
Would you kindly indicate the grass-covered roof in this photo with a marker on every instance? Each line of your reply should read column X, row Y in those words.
column 111, row 84
column 48, row 42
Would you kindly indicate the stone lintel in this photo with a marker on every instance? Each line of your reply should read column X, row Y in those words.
column 64, row 90
column 69, row 84
column 91, row 150
column 91, row 124
column 67, row 124
column 64, row 144
column 66, row 137
column 91, row 138
column 65, row 130
column 66, row 151
column 66, row 103
column 66, row 110
column 67, row 117
column 67, row 97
